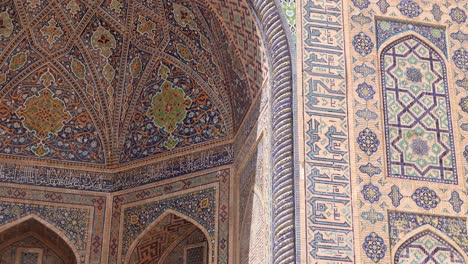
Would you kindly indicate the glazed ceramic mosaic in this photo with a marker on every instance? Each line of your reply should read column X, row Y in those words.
column 385, row 131
column 242, row 131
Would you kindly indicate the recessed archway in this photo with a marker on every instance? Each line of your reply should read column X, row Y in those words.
column 172, row 238
column 29, row 240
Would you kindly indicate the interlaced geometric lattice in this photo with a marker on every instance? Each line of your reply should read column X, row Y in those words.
column 417, row 112
column 427, row 248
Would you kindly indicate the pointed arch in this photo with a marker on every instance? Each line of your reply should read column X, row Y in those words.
column 392, row 40
column 176, row 243
column 211, row 250
column 35, row 223
column 423, row 231
column 414, row 82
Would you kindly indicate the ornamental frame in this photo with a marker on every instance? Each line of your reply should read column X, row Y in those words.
column 390, row 43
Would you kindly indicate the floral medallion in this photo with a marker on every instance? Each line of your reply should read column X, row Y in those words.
column 395, row 195
column 368, row 141
column 18, row 60
column 146, row 27
column 425, row 198
column 44, row 114
column 409, row 8
column 361, row 4
column 135, row 67
column 456, row 201
column 460, row 58
column 73, row 7
column 363, row 44
column 78, row 69
column 458, row 15
column 370, row 169
column 169, row 107
column 365, row 91
column 103, row 41
column 184, row 52
column 184, row 16
column 371, row 193
column 375, row 247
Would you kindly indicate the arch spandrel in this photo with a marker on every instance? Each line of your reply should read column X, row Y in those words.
column 185, row 101
column 156, row 242
column 44, row 118
column 428, row 247
column 49, row 236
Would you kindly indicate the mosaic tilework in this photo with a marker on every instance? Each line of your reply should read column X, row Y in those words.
column 408, row 24
column 80, row 217
column 30, row 247
column 401, row 223
column 109, row 182
column 72, row 222
column 119, row 61
column 203, row 198
column 238, row 19
column 156, row 242
column 170, row 116
column 427, row 247
column 200, row 206
column 328, row 191
column 417, row 113
column 104, row 66
column 43, row 117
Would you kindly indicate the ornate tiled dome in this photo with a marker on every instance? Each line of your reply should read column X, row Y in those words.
column 106, row 83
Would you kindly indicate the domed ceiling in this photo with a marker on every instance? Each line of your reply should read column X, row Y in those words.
column 113, row 82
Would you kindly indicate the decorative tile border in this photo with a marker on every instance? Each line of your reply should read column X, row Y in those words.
column 111, row 182
column 328, row 212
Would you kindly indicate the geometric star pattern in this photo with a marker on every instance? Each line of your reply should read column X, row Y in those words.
column 417, row 113
column 427, row 247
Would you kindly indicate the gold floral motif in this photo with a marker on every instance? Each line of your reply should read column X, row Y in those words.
column 184, row 16
column 52, row 31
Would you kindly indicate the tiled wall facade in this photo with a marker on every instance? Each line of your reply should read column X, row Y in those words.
column 102, row 227
column 384, row 130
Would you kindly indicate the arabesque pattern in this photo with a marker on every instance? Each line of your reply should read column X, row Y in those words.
column 109, row 54
column 44, row 117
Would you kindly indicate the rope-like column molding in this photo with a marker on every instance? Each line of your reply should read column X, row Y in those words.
column 283, row 209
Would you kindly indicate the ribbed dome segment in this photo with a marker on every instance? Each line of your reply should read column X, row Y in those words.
column 119, row 81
